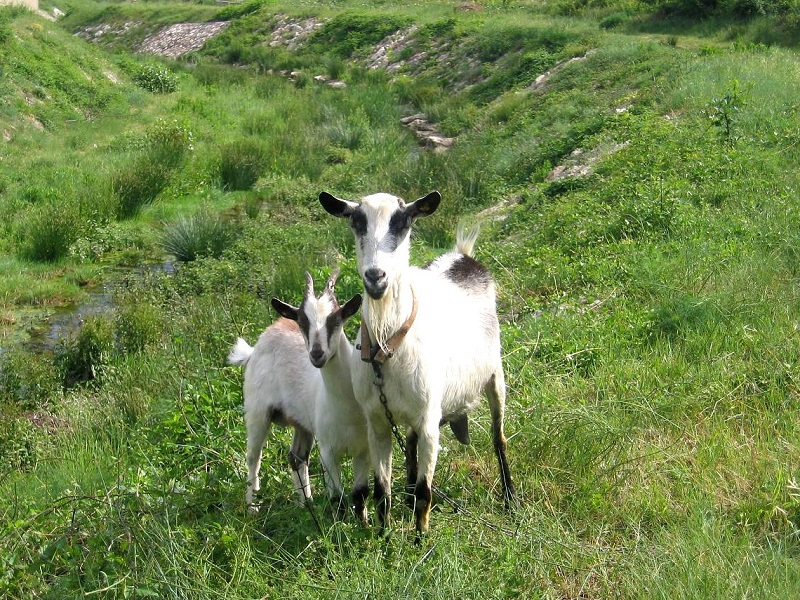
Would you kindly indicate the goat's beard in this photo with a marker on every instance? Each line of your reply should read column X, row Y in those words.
column 384, row 316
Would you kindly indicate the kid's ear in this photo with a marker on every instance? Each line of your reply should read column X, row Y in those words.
column 336, row 206
column 425, row 206
column 351, row 307
column 285, row 310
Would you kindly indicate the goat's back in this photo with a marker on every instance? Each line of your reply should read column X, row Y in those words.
column 280, row 376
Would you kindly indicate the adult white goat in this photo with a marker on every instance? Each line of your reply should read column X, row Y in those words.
column 299, row 375
column 435, row 330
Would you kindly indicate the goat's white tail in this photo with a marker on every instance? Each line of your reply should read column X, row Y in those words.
column 240, row 353
column 466, row 238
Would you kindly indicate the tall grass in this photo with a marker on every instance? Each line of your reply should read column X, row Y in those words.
column 201, row 234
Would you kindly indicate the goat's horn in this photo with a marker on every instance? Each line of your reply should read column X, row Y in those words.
column 332, row 279
column 309, row 285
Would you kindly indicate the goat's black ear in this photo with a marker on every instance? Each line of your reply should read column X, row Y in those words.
column 351, row 307
column 285, row 310
column 425, row 206
column 336, row 206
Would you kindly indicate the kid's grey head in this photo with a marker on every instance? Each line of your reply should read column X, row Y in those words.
column 320, row 318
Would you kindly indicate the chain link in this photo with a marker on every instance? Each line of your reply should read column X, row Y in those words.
column 378, row 381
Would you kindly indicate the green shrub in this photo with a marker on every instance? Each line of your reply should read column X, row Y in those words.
column 138, row 184
column 201, row 234
column 159, row 152
column 348, row 32
column 240, row 164
column 156, row 79
column 27, row 381
column 723, row 112
column 20, row 444
column 6, row 33
column 49, row 230
column 615, row 19
column 82, row 356
column 213, row 75
column 168, row 142
column 7, row 15
column 252, row 204
column 138, row 325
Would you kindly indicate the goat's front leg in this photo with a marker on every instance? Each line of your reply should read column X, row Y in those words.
column 332, row 471
column 428, row 453
column 380, row 447
column 411, row 466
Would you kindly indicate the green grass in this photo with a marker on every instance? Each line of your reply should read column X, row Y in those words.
column 649, row 310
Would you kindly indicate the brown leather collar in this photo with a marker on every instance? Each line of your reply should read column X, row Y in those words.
column 377, row 353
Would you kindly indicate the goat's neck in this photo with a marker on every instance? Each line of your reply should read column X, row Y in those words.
column 385, row 316
column 336, row 372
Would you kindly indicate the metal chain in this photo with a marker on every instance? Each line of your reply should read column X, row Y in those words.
column 378, row 381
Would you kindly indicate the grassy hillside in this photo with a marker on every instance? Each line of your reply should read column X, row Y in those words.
column 637, row 191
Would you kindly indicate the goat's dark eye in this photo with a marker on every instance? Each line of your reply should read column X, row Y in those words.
column 399, row 224
column 358, row 222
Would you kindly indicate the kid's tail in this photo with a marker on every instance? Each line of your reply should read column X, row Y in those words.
column 240, row 353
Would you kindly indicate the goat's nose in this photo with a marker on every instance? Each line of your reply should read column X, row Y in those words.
column 316, row 355
column 374, row 275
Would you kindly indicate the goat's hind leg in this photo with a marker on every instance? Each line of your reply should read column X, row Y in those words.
column 302, row 443
column 258, row 424
column 361, row 485
column 495, row 391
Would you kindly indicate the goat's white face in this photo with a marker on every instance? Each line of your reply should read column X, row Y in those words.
column 381, row 224
column 320, row 319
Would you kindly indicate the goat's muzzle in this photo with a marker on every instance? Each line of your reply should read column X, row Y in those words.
column 375, row 282
column 317, row 357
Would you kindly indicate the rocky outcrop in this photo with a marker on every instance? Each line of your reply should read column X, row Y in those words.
column 581, row 163
column 540, row 83
column 293, row 33
column 426, row 132
column 181, row 38
column 384, row 56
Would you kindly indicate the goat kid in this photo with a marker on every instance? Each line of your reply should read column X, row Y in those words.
column 449, row 356
column 298, row 374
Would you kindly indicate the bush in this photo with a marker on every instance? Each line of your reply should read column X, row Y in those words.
column 235, row 11
column 168, row 142
column 20, row 444
column 240, row 164
column 202, row 234
column 138, row 184
column 159, row 152
column 138, row 325
column 49, row 231
column 348, row 32
column 615, row 19
column 156, row 79
column 82, row 356
column 27, row 382
column 6, row 33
